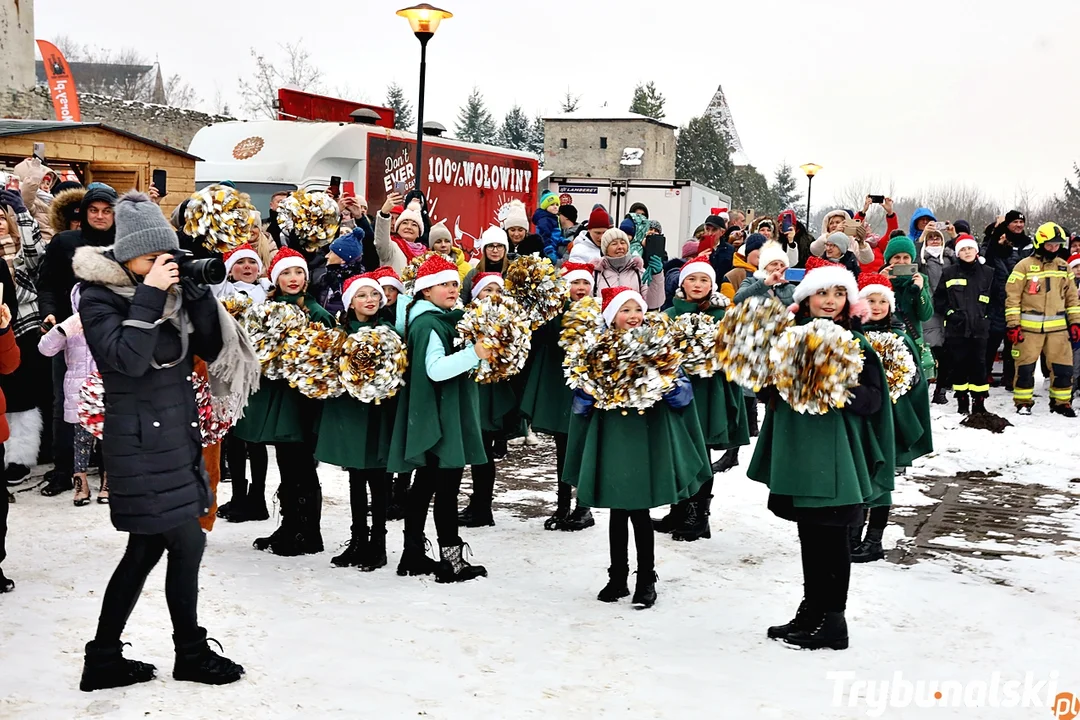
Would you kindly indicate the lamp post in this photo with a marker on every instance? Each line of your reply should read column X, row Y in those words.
column 424, row 21
column 811, row 169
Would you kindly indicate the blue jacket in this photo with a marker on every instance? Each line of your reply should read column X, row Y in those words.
column 547, row 227
column 671, row 280
column 919, row 213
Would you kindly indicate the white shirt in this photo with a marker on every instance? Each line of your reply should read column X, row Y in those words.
column 256, row 291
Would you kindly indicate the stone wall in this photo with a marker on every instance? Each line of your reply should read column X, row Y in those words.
column 583, row 155
column 167, row 125
column 17, row 44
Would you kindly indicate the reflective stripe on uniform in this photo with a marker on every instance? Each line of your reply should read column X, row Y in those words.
column 1062, row 394
column 1023, row 393
column 957, row 281
column 1015, row 276
column 1012, row 311
column 984, row 298
column 961, row 388
column 979, row 388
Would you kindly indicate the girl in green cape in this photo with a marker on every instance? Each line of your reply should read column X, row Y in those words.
column 437, row 424
column 822, row 469
column 282, row 416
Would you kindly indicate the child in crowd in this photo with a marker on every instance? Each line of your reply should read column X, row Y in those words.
column 442, row 242
column 343, row 261
column 548, row 227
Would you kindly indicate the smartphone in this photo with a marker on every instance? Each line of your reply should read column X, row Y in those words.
column 335, row 185
column 794, row 274
column 160, row 178
column 787, row 221
column 348, row 188
column 941, row 225
column 654, row 246
column 877, row 199
column 851, row 227
column 39, row 151
column 401, row 188
column 903, row 270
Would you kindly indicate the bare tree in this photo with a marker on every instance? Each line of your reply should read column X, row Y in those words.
column 179, row 94
column 293, row 70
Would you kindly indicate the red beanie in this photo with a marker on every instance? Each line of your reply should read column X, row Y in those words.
column 599, row 219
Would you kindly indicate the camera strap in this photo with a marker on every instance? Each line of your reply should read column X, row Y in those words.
column 173, row 313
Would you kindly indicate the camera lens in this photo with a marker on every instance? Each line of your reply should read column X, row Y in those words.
column 208, row 271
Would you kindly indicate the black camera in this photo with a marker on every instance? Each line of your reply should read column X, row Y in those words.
column 204, row 271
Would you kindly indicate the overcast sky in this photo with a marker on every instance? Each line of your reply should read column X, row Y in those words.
column 909, row 94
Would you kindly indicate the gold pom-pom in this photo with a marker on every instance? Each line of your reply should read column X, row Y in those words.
column 408, row 273
column 815, row 366
column 236, row 305
column 744, row 337
column 582, row 326
column 900, row 367
column 267, row 325
column 695, row 337
column 310, row 218
column 499, row 321
column 537, row 287
column 372, row 364
column 309, row 360
column 219, row 217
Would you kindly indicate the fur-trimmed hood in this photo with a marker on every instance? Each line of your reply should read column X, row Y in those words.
column 62, row 205
column 96, row 265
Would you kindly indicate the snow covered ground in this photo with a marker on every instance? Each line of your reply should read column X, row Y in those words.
column 531, row 640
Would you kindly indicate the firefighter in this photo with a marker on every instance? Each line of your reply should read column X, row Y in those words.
column 1042, row 314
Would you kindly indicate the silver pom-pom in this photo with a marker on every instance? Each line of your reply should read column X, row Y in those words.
column 815, row 366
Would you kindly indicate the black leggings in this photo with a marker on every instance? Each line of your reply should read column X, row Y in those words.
column 483, row 476
column 619, row 539
column 3, row 514
column 879, row 517
column 237, row 453
column 566, row 491
column 443, row 484
column 185, row 545
column 359, row 482
column 826, row 563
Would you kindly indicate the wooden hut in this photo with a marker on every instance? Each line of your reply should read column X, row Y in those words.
column 95, row 152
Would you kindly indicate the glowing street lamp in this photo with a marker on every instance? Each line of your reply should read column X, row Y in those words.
column 811, row 169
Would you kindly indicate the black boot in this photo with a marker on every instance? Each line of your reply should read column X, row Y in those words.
column 751, row 413
column 354, row 552
column 672, row 520
column 616, row 589
column 399, row 488
column 454, row 567
column 978, row 404
column 15, row 473
column 6, row 583
column 963, row 403
column 414, row 558
column 1062, row 409
column 645, row 590
column 728, row 460
column 474, row 517
column 580, row 519
column 305, row 537
column 831, row 632
column 251, row 509
column 58, row 484
column 196, row 662
column 940, row 395
column 557, row 519
column 870, row 548
column 695, row 524
column 805, row 619
column 105, row 666
column 374, row 556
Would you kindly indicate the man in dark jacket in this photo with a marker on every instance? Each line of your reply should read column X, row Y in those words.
column 1005, row 243
column 144, row 325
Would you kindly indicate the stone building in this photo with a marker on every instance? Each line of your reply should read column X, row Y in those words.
column 609, row 144
column 17, row 43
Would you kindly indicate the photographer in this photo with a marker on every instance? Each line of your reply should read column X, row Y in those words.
column 144, row 322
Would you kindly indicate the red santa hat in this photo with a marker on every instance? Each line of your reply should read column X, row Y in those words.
column 1074, row 260
column 876, row 284
column 387, row 277
column 238, row 253
column 436, row 270
column 412, row 212
column 353, row 285
column 572, row 271
column 482, row 280
column 697, row 266
column 965, row 241
column 822, row 274
column 284, row 259
column 615, row 297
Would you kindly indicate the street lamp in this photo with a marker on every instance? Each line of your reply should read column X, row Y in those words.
column 424, row 21
column 811, row 169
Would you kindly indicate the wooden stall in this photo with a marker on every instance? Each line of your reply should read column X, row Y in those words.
column 94, row 152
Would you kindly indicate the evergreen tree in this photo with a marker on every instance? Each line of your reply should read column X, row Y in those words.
column 570, row 102
column 648, row 101
column 515, row 130
column 403, row 112
column 536, row 138
column 750, row 190
column 474, row 123
column 703, row 155
column 785, row 188
column 1068, row 203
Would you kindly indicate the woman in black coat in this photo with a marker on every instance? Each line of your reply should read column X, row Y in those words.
column 144, row 327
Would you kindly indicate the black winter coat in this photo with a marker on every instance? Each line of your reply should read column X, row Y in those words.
column 56, row 278
column 963, row 298
column 1001, row 258
column 151, row 447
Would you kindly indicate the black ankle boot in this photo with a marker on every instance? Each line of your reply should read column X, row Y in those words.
column 580, row 519
column 58, row 484
column 196, row 662
column 805, row 619
column 978, row 404
column 616, row 589
column 830, row 632
column 940, row 395
column 248, row 510
column 560, row 516
column 645, row 590
column 6, row 583
column 870, row 548
column 1063, row 409
column 454, row 567
column 374, row 555
column 728, row 460
column 278, row 536
column 354, row 551
column 474, row 517
column 105, row 666
column 695, row 524
column 963, row 403
column 414, row 558
column 672, row 520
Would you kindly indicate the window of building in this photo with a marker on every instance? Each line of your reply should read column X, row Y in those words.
column 603, row 143
column 563, row 143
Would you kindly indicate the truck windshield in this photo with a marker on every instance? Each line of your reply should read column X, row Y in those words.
column 260, row 192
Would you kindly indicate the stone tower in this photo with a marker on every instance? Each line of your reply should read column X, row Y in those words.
column 17, row 41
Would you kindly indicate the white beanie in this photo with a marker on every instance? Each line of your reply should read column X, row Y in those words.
column 494, row 236
column 411, row 213
column 516, row 216
column 771, row 252
column 697, row 266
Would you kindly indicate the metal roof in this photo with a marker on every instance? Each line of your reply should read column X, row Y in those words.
column 26, row 127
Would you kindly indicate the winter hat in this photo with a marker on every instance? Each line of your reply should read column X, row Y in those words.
column 569, row 212
column 599, row 219
column 65, row 185
column 98, row 192
column 1013, row 215
column 397, row 210
column 690, row 248
column 240, row 252
column 140, row 228
column 716, row 221
column 962, row 227
column 754, row 242
column 347, row 247
column 483, row 280
column 639, row 206
column 387, row 277
column 516, row 217
column 353, row 285
column 493, row 236
column 610, row 236
column 876, row 284
column 436, row 270
column 697, row 266
column 821, row 274
column 284, row 259
column 548, row 199
column 628, row 227
column 572, row 271
column 655, row 225
column 411, row 213
column 439, row 231
column 902, row 244
column 1074, row 260
column 965, row 241
column 614, row 298
column 840, row 240
column 770, row 252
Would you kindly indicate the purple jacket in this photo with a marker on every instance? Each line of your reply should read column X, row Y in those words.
column 68, row 336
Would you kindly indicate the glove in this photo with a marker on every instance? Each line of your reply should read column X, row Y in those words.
column 1016, row 335
column 681, row 394
column 14, row 200
column 583, row 403
column 1074, row 333
column 656, row 264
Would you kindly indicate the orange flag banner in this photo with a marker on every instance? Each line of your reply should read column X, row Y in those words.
column 61, row 83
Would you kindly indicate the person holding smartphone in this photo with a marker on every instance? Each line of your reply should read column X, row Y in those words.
column 914, row 303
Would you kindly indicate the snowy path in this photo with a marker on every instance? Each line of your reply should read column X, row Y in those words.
column 531, row 640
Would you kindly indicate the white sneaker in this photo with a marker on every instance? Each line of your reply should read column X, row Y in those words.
column 516, row 442
column 531, row 440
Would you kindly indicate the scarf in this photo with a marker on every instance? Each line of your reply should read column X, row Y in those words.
column 410, row 249
column 618, row 263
